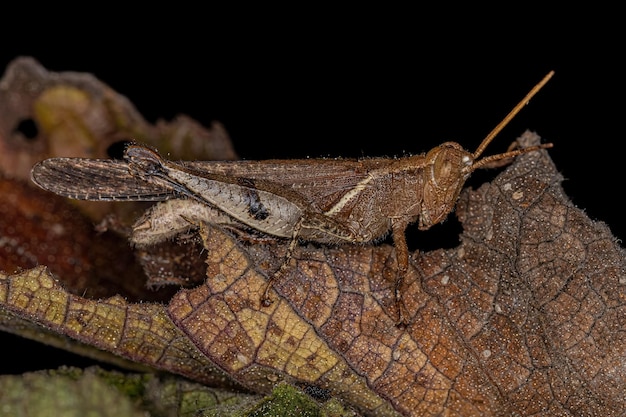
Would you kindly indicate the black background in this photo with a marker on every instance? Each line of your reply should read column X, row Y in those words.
column 300, row 83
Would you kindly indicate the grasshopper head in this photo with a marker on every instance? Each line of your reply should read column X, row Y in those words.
column 446, row 169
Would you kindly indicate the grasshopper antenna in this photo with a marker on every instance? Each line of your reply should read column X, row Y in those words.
column 503, row 123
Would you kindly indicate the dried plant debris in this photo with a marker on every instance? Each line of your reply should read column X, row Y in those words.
column 39, row 228
column 47, row 114
column 524, row 317
column 75, row 114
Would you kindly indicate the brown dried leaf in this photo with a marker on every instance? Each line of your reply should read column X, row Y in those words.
column 173, row 263
column 39, row 228
column 76, row 115
column 46, row 114
column 140, row 332
column 523, row 317
column 260, row 346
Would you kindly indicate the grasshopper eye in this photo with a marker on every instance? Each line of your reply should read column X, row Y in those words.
column 443, row 168
column 446, row 167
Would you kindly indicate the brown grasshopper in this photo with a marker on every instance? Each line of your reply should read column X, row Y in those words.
column 328, row 201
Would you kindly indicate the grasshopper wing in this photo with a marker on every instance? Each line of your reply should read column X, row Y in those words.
column 96, row 179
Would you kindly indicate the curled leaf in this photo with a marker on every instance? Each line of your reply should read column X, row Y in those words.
column 140, row 332
column 70, row 114
column 39, row 228
column 524, row 317
column 47, row 114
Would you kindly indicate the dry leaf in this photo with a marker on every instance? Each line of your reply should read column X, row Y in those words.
column 524, row 317
column 47, row 114
column 140, row 332
column 39, row 228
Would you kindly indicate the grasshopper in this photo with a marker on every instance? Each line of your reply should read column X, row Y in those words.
column 328, row 201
